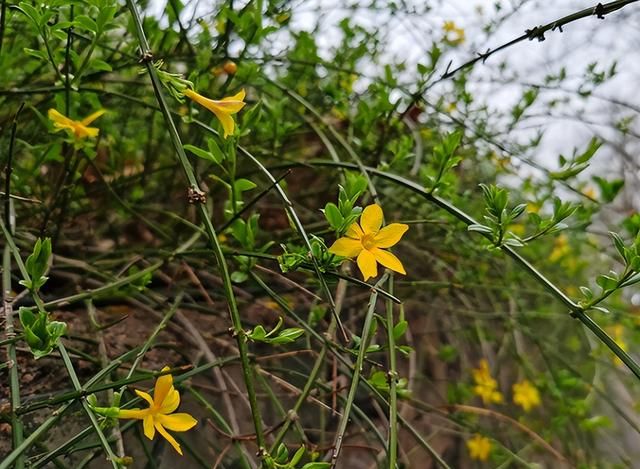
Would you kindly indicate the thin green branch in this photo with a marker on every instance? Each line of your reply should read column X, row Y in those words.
column 247, row 368
column 576, row 310
column 7, row 297
column 357, row 370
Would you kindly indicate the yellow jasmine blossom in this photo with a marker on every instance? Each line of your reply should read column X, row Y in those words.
column 223, row 108
column 560, row 248
column 367, row 241
column 479, row 447
column 617, row 332
column 79, row 129
column 158, row 416
column 485, row 386
column 526, row 395
column 453, row 34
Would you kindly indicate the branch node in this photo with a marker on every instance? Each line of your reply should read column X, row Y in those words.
column 195, row 195
column 599, row 11
column 535, row 33
column 146, row 57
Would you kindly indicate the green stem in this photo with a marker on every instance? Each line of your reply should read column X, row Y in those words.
column 576, row 310
column 392, row 448
column 11, row 458
column 357, row 370
column 247, row 369
column 94, row 421
column 14, row 379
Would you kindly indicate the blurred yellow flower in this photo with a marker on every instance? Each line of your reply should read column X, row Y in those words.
column 590, row 192
column 365, row 240
column 526, row 395
column 79, row 129
column 485, row 386
column 453, row 34
column 617, row 332
column 159, row 416
column 479, row 447
column 560, row 248
column 533, row 207
column 223, row 108
column 517, row 229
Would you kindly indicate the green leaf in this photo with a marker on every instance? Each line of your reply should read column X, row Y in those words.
column 216, row 152
column 205, row 155
column 479, row 228
column 100, row 65
column 259, row 333
column 243, row 185
column 287, row 336
column 316, row 465
column 282, row 454
column 239, row 276
column 87, row 23
column 297, row 457
column 607, row 282
column 333, row 216
column 399, row 329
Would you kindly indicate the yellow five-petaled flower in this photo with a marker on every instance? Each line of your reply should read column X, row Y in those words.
column 159, row 416
column 485, row 386
column 223, row 108
column 526, row 395
column 479, row 447
column 79, row 129
column 367, row 241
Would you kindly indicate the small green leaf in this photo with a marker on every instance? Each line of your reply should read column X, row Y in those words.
column 333, row 215
column 199, row 152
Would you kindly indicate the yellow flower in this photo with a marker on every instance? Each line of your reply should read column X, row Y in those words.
column 560, row 248
column 223, row 109
column 479, row 447
column 159, row 415
column 617, row 332
column 366, row 240
column 526, row 395
column 79, row 129
column 486, row 387
column 453, row 34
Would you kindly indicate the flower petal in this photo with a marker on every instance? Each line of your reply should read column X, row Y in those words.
column 354, row 231
column 171, row 402
column 89, row 119
column 180, row 422
column 390, row 235
column 169, row 438
column 228, row 124
column 82, row 132
column 58, row 118
column 346, row 247
column 137, row 414
column 371, row 219
column 388, row 260
column 367, row 264
column 145, row 396
column 149, row 429
column 164, row 384
column 232, row 104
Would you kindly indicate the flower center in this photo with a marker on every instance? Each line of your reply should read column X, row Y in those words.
column 368, row 241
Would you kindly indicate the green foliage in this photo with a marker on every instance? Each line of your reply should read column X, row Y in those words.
column 40, row 333
column 37, row 265
column 329, row 127
column 275, row 336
